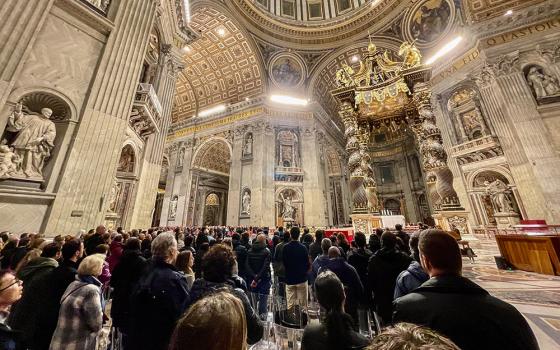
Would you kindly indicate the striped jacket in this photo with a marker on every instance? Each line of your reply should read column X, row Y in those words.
column 80, row 318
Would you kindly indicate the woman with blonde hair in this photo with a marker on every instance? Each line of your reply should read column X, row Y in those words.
column 215, row 322
column 81, row 308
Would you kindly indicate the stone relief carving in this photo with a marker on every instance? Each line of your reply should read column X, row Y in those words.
column 126, row 161
column 500, row 194
column 173, row 207
column 542, row 84
column 459, row 223
column 31, row 146
column 288, row 210
column 246, row 202
column 114, row 196
column 248, row 145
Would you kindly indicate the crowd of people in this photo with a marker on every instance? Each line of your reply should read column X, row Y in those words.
column 210, row 288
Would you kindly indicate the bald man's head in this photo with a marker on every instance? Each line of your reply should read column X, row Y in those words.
column 334, row 252
column 261, row 238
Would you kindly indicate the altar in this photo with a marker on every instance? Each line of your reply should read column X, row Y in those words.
column 389, row 221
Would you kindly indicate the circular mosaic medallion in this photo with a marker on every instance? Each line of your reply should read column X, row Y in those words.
column 429, row 22
column 287, row 70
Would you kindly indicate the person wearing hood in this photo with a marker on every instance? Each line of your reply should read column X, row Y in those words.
column 349, row 277
column 383, row 268
column 53, row 285
column 258, row 272
column 125, row 276
column 451, row 304
column 414, row 275
column 115, row 252
column 217, row 268
column 81, row 309
column 23, row 315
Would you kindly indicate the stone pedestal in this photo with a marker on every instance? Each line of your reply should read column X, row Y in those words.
column 366, row 223
column 447, row 220
column 506, row 220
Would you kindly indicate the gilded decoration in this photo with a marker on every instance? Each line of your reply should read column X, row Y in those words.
column 213, row 155
column 430, row 21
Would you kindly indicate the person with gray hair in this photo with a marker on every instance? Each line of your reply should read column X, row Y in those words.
column 320, row 260
column 410, row 336
column 159, row 299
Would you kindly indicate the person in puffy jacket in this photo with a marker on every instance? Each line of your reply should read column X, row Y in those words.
column 414, row 275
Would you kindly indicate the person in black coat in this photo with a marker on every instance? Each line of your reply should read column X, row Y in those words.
column 347, row 274
column 217, row 269
column 52, row 287
column 359, row 257
column 405, row 238
column 159, row 298
column 241, row 255
column 126, row 275
column 94, row 240
column 258, row 272
column 336, row 331
column 315, row 247
column 374, row 242
column 450, row 304
column 383, row 269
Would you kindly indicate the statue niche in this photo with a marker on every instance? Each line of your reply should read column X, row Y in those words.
column 289, row 207
column 246, row 202
column 468, row 119
column 29, row 137
column 287, row 146
column 545, row 87
column 248, row 146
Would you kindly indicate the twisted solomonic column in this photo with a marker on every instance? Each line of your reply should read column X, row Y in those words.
column 355, row 164
column 369, row 175
column 434, row 157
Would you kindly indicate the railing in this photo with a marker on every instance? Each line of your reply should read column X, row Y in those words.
column 146, row 93
column 145, row 117
column 100, row 5
column 474, row 145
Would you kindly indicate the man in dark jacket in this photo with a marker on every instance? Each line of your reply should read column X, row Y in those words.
column 414, row 275
column 241, row 255
column 217, row 269
column 258, row 272
column 296, row 263
column 374, row 242
column 320, row 261
column 53, row 286
column 278, row 263
column 404, row 247
column 449, row 303
column 347, row 274
column 23, row 315
column 359, row 257
column 383, row 269
column 125, row 276
column 94, row 240
column 315, row 247
column 159, row 299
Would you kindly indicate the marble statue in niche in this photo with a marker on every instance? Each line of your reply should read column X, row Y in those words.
column 248, row 146
column 246, row 202
column 472, row 121
column 126, row 162
column 180, row 157
column 288, row 150
column 430, row 21
column 288, row 210
column 9, row 162
column 114, row 196
column 542, row 84
column 500, row 194
column 32, row 144
column 173, row 207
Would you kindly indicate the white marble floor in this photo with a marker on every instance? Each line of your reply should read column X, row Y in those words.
column 536, row 296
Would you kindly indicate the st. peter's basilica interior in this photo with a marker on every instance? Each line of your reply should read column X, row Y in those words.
column 321, row 113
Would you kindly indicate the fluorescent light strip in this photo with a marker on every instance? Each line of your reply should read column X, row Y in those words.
column 445, row 49
column 187, row 14
column 213, row 110
column 288, row 100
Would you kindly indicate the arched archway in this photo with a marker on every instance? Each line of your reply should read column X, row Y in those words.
column 210, row 170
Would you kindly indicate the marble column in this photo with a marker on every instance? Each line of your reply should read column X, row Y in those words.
column 313, row 195
column 357, row 189
column 20, row 23
column 235, row 174
column 93, row 158
column 533, row 164
column 434, row 157
column 536, row 175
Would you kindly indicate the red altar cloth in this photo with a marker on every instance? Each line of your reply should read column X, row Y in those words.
column 348, row 232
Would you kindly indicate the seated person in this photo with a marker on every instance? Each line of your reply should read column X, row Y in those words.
column 336, row 332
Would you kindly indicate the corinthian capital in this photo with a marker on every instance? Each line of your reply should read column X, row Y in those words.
column 485, row 77
column 507, row 64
